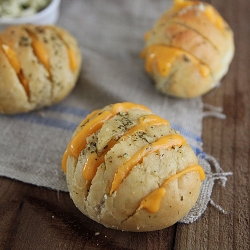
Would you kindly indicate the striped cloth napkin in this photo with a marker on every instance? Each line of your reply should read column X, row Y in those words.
column 110, row 35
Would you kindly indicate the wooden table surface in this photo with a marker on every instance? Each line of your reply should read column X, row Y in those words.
column 37, row 218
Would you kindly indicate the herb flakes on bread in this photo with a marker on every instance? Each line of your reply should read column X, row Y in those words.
column 188, row 50
column 39, row 66
column 127, row 169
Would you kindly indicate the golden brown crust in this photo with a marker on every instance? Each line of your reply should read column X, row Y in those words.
column 200, row 31
column 47, row 84
column 120, row 209
column 185, row 77
column 11, row 91
column 173, row 206
column 181, row 37
column 194, row 17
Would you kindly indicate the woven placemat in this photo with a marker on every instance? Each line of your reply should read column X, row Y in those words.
column 110, row 35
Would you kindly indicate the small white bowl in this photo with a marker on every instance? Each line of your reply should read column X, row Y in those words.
column 49, row 15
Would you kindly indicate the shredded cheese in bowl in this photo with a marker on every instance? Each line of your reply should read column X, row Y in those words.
column 21, row 8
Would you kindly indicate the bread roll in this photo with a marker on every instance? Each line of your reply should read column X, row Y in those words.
column 39, row 66
column 127, row 169
column 189, row 49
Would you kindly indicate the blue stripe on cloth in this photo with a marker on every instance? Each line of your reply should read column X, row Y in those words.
column 63, row 124
column 186, row 133
column 198, row 151
column 190, row 135
column 69, row 110
column 48, row 121
column 34, row 117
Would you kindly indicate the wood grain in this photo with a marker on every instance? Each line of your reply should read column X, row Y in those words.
column 229, row 142
column 38, row 218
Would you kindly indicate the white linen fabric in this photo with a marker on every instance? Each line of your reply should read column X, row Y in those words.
column 110, row 35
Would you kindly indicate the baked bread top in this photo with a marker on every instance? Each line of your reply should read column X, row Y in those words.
column 127, row 169
column 39, row 66
column 189, row 49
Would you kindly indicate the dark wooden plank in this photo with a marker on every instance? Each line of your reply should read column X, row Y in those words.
column 229, row 142
column 31, row 216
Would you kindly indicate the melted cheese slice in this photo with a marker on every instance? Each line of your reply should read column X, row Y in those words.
column 78, row 143
column 180, row 4
column 208, row 10
column 72, row 58
column 147, row 35
column 152, row 201
column 66, row 153
column 94, row 161
column 167, row 141
column 13, row 60
column 71, row 53
column 40, row 51
column 42, row 54
column 214, row 17
column 163, row 57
